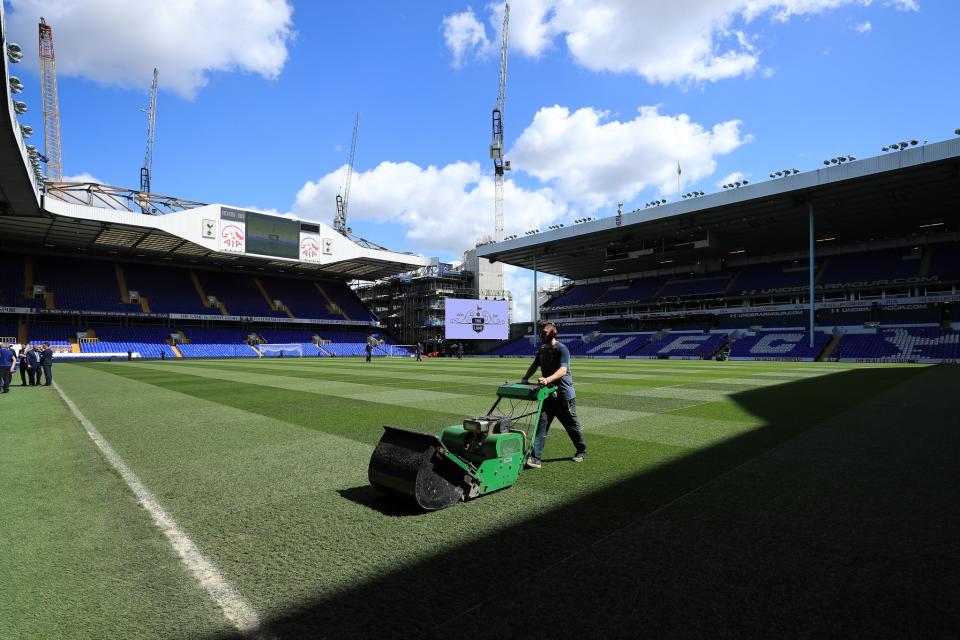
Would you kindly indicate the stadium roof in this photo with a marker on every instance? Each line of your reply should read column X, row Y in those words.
column 109, row 223
column 895, row 195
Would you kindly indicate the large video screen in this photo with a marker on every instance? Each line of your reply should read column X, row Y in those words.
column 272, row 236
column 477, row 319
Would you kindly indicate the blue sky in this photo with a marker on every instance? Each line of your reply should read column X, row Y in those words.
column 604, row 98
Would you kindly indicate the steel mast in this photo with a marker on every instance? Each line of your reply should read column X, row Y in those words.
column 151, row 131
column 51, row 103
column 340, row 220
column 496, row 147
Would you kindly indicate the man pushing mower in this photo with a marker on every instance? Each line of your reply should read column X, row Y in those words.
column 553, row 358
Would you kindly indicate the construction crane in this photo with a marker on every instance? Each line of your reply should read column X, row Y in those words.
column 340, row 220
column 500, row 166
column 148, row 157
column 51, row 104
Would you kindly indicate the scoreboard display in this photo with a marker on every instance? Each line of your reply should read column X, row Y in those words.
column 272, row 236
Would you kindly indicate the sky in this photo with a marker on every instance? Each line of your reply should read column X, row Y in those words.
column 604, row 99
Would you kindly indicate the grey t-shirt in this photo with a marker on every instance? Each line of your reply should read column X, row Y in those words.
column 550, row 358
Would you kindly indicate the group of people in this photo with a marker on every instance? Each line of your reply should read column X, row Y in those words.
column 35, row 364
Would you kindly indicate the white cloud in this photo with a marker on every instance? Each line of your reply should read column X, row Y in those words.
column 863, row 27
column 904, row 5
column 119, row 42
column 665, row 42
column 583, row 159
column 730, row 178
column 446, row 208
column 273, row 211
column 464, row 34
column 519, row 282
column 83, row 177
column 592, row 160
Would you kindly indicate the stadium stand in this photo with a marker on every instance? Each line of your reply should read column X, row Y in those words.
column 117, row 333
column 698, row 345
column 290, row 336
column 695, row 287
column 84, row 284
column 8, row 330
column 59, row 333
column 900, row 344
column 779, row 275
column 347, row 300
column 579, row 295
column 143, row 349
column 216, row 335
column 779, row 345
column 576, row 329
column 12, row 285
column 945, row 260
column 237, row 293
column 840, row 270
column 167, row 290
column 638, row 289
column 303, row 298
column 866, row 267
column 217, row 351
column 81, row 284
column 612, row 345
column 342, row 335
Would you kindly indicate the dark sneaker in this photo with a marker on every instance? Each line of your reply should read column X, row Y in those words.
column 579, row 457
column 532, row 464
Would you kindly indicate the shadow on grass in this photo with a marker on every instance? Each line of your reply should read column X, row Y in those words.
column 769, row 558
column 371, row 498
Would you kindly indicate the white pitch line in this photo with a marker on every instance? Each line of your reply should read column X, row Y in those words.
column 236, row 610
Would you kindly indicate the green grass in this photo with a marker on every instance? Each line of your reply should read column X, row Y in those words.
column 79, row 557
column 263, row 464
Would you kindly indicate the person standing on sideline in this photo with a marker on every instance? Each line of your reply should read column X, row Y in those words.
column 33, row 365
column 46, row 363
column 419, row 352
column 8, row 364
column 22, row 364
column 553, row 358
column 369, row 347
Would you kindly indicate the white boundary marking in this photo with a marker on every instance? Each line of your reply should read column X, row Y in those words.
column 235, row 609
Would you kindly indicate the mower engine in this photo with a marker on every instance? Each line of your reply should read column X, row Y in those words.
column 477, row 429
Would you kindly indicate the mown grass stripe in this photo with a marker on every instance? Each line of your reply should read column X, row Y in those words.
column 235, row 609
column 468, row 403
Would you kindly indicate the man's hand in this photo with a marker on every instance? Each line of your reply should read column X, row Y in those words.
column 542, row 382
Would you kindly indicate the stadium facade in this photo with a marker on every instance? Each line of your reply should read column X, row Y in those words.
column 731, row 273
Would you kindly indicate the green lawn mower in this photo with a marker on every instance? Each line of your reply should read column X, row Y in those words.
column 482, row 455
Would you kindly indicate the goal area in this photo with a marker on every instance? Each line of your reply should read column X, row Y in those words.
column 398, row 350
column 291, row 350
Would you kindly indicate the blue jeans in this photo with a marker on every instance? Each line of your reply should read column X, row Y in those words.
column 566, row 412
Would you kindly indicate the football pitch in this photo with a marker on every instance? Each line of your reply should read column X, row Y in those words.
column 717, row 499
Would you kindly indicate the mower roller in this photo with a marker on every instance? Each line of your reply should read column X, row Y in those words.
column 464, row 461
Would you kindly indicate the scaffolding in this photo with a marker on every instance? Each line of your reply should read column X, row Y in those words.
column 411, row 305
